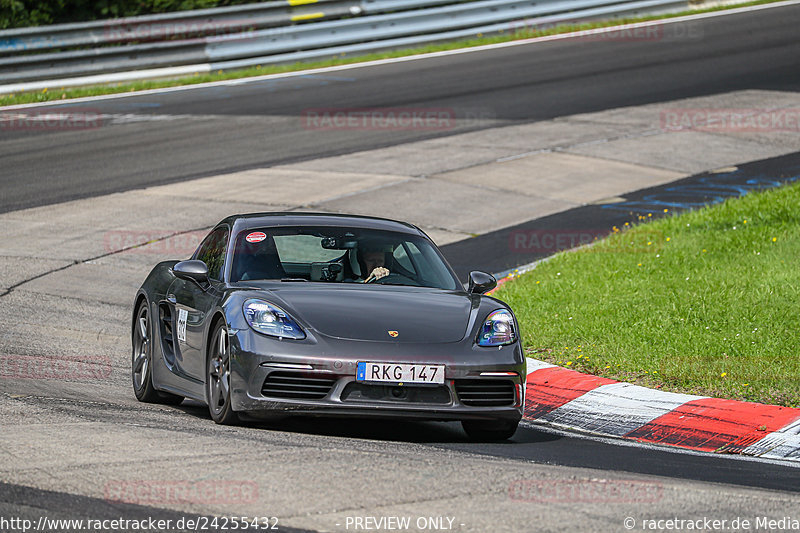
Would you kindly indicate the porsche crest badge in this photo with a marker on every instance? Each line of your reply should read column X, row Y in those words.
column 393, row 333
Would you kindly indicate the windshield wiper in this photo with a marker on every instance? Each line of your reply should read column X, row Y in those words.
column 294, row 279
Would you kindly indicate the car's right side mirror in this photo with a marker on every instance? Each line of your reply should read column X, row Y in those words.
column 481, row 282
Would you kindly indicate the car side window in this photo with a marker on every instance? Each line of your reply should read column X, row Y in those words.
column 401, row 256
column 426, row 263
column 212, row 252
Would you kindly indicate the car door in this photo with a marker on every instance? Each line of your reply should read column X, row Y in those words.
column 194, row 303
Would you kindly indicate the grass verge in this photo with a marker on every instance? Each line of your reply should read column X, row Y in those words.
column 56, row 93
column 704, row 302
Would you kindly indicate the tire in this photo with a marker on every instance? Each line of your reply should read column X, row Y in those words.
column 218, row 377
column 142, row 361
column 490, row 430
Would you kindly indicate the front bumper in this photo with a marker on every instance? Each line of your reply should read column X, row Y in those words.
column 325, row 370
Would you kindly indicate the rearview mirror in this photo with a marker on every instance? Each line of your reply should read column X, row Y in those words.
column 347, row 242
column 193, row 270
column 481, row 282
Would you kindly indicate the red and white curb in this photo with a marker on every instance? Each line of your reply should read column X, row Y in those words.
column 566, row 399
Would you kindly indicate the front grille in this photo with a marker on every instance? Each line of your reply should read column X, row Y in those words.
column 363, row 392
column 485, row 392
column 298, row 385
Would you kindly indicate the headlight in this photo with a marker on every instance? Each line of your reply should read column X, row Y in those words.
column 498, row 329
column 271, row 320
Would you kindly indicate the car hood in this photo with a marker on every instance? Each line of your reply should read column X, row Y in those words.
column 373, row 313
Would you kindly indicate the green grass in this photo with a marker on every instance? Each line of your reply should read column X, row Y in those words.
column 705, row 302
column 56, row 93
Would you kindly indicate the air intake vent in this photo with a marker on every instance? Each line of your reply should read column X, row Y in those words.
column 363, row 392
column 298, row 385
column 485, row 392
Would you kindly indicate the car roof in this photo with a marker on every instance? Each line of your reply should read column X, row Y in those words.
column 260, row 220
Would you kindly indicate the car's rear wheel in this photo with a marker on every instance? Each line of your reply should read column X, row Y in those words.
column 218, row 377
column 142, row 361
column 490, row 430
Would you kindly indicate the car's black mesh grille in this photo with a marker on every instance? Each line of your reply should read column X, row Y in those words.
column 371, row 392
column 485, row 392
column 298, row 385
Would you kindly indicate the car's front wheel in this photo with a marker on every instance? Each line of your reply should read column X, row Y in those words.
column 218, row 377
column 490, row 430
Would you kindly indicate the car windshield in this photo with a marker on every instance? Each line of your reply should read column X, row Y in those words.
column 339, row 255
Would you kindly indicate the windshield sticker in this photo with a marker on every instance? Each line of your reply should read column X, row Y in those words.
column 256, row 236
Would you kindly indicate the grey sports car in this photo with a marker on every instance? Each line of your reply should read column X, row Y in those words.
column 334, row 315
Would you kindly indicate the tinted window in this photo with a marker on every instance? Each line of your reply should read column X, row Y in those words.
column 212, row 252
column 338, row 255
column 401, row 256
column 303, row 249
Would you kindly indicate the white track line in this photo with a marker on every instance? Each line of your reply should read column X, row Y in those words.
column 535, row 364
column 781, row 444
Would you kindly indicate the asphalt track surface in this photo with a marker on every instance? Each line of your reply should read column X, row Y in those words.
column 228, row 128
column 259, row 124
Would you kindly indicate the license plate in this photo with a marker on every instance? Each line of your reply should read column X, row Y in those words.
column 399, row 373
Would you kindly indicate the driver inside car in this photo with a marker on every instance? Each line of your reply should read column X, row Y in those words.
column 372, row 262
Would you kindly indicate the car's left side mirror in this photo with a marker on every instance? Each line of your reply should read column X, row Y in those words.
column 481, row 282
column 192, row 270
